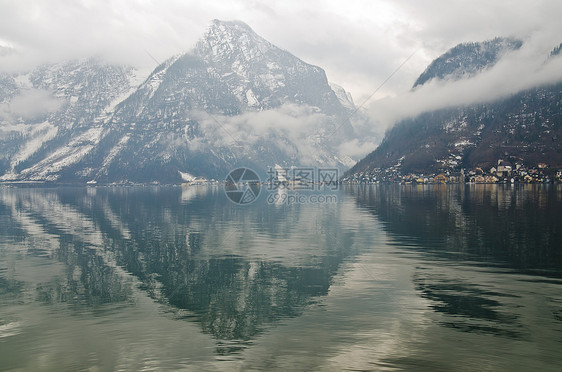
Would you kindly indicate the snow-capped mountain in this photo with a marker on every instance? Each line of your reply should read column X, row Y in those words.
column 468, row 59
column 522, row 128
column 259, row 74
column 55, row 115
column 234, row 100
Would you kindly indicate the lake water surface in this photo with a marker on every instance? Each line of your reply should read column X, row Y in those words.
column 444, row 277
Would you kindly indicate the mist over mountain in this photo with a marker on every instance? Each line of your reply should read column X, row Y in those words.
column 234, row 100
column 468, row 59
column 524, row 126
column 237, row 100
column 55, row 116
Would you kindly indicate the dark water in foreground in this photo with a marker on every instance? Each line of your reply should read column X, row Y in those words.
column 389, row 278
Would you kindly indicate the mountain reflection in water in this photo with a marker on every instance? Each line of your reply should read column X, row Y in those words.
column 391, row 277
column 210, row 260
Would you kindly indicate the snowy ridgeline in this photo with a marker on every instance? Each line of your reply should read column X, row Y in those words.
column 235, row 100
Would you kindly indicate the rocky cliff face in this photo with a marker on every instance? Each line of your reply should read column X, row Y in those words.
column 234, row 100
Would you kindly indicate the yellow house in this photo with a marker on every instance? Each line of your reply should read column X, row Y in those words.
column 440, row 178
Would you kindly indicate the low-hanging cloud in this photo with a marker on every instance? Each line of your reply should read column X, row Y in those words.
column 290, row 125
column 300, row 130
column 357, row 149
column 32, row 104
column 292, row 119
column 517, row 71
column 358, row 43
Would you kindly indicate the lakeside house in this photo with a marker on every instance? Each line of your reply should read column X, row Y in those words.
column 440, row 178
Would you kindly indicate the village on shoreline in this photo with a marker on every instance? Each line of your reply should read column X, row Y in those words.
column 503, row 172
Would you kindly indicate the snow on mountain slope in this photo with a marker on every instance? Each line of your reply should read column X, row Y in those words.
column 523, row 128
column 250, row 65
column 234, row 100
column 344, row 97
column 468, row 59
column 8, row 87
column 75, row 98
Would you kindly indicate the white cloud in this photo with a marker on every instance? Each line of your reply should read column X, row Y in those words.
column 247, row 128
column 31, row 104
column 356, row 149
column 300, row 131
column 359, row 43
column 517, row 71
column 296, row 123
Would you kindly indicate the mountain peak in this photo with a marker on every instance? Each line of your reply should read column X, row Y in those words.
column 234, row 86
column 468, row 59
column 225, row 40
column 231, row 31
column 234, row 24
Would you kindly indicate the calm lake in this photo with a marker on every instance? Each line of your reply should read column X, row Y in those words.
column 389, row 277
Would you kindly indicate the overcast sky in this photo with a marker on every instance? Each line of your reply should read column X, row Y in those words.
column 358, row 43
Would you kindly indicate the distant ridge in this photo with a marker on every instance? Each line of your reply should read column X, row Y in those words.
column 525, row 128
